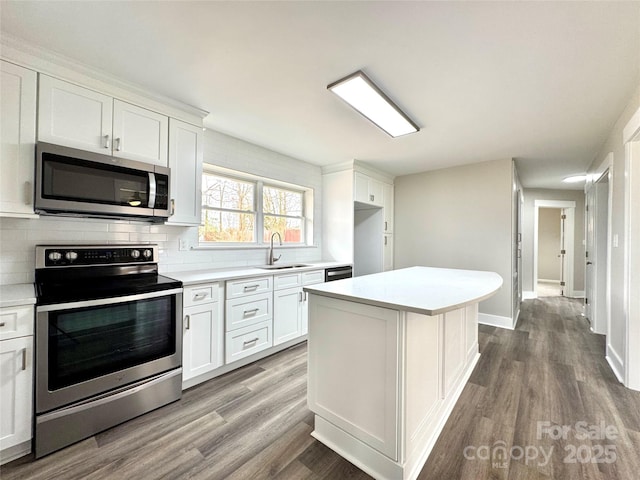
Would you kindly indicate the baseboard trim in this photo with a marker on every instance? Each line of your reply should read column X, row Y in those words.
column 576, row 294
column 548, row 280
column 615, row 362
column 529, row 295
column 496, row 321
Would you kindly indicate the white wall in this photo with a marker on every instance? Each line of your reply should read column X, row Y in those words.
column 616, row 340
column 528, row 219
column 18, row 237
column 458, row 217
column 549, row 262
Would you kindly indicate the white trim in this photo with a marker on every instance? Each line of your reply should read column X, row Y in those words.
column 576, row 294
column 548, row 280
column 616, row 364
column 631, row 307
column 569, row 239
column 529, row 295
column 496, row 321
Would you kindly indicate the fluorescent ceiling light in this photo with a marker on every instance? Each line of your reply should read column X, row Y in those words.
column 575, row 179
column 363, row 95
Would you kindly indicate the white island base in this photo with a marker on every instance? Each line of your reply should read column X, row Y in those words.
column 384, row 379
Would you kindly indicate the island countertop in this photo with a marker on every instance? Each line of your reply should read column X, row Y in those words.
column 425, row 290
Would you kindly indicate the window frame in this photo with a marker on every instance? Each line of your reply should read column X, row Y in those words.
column 306, row 223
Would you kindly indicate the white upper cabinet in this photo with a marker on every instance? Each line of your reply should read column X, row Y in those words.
column 368, row 190
column 74, row 116
column 82, row 118
column 139, row 134
column 18, row 137
column 185, row 162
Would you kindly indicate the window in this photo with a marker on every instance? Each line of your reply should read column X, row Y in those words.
column 236, row 207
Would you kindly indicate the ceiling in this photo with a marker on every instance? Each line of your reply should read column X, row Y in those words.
column 541, row 82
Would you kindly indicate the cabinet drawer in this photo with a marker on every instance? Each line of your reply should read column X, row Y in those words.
column 240, row 288
column 16, row 322
column 199, row 294
column 247, row 341
column 248, row 310
column 309, row 278
column 286, row 280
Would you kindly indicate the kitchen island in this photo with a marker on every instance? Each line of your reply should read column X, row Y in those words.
column 389, row 355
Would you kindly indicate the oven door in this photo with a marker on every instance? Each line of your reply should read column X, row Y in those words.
column 90, row 347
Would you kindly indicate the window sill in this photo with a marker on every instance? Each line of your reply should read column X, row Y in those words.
column 250, row 247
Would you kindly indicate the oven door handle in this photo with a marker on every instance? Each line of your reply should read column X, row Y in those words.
column 107, row 301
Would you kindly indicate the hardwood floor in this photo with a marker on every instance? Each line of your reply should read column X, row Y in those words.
column 254, row 423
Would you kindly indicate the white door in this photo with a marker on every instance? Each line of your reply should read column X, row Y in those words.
column 185, row 162
column 589, row 252
column 202, row 340
column 287, row 311
column 16, row 364
column 18, row 137
column 140, row 134
column 74, row 116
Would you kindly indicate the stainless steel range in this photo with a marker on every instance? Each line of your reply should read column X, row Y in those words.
column 108, row 340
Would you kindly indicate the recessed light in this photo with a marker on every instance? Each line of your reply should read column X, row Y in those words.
column 363, row 95
column 575, row 179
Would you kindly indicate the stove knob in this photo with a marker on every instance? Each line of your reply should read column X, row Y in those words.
column 147, row 253
column 71, row 256
column 55, row 256
column 135, row 253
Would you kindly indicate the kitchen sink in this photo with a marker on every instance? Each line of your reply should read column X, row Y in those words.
column 282, row 267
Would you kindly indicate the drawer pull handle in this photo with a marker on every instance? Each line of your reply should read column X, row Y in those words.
column 107, row 143
column 2, row 324
column 249, row 342
column 251, row 312
column 248, row 288
column 200, row 296
column 187, row 321
column 24, row 359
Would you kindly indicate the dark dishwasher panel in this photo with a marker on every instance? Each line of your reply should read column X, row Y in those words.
column 338, row 273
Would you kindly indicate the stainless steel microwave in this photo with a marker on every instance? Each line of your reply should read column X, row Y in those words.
column 80, row 183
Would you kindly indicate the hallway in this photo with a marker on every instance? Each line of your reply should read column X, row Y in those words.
column 528, row 392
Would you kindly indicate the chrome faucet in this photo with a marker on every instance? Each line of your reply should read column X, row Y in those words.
column 273, row 259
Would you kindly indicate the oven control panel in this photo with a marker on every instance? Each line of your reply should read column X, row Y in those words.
column 67, row 256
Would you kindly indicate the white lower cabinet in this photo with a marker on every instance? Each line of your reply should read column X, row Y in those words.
column 242, row 342
column 290, row 306
column 287, row 314
column 248, row 317
column 202, row 330
column 16, row 390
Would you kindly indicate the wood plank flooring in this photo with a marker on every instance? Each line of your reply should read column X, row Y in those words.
column 254, row 423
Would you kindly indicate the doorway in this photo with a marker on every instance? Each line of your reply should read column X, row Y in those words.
column 553, row 248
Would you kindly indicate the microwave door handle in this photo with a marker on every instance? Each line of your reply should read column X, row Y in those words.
column 152, row 190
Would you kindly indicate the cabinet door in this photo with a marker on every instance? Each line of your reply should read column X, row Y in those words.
column 74, row 116
column 376, row 192
column 18, row 137
column 185, row 162
column 387, row 253
column 16, row 364
column 140, row 134
column 203, row 340
column 287, row 310
column 388, row 207
column 361, row 190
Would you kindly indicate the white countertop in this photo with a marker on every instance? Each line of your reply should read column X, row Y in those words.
column 215, row 275
column 20, row 294
column 426, row 290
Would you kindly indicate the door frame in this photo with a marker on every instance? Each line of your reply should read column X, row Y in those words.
column 631, row 140
column 598, row 325
column 568, row 263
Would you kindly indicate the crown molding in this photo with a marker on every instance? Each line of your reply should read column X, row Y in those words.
column 16, row 50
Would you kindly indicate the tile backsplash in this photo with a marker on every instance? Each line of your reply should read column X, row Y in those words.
column 18, row 236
